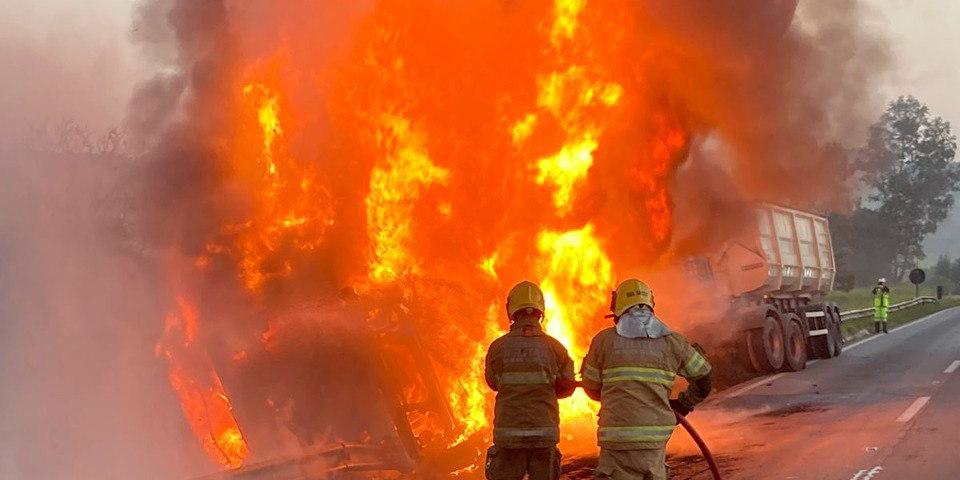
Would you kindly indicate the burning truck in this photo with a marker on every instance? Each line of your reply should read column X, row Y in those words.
column 381, row 409
column 399, row 417
column 776, row 275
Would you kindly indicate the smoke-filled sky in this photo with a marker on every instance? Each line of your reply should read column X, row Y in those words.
column 66, row 59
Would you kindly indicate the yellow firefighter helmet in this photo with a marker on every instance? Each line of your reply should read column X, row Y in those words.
column 524, row 295
column 629, row 293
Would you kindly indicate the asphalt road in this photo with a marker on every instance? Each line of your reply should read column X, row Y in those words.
column 887, row 408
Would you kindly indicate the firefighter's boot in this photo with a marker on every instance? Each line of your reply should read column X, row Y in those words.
column 876, row 327
column 885, row 327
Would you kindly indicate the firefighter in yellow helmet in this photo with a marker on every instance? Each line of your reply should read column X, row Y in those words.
column 529, row 370
column 630, row 369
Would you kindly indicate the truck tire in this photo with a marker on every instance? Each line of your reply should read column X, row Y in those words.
column 795, row 344
column 838, row 332
column 765, row 346
column 825, row 346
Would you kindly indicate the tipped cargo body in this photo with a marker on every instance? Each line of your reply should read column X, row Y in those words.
column 789, row 253
column 777, row 274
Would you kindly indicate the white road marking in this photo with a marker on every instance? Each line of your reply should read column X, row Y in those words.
column 913, row 409
column 867, row 474
column 953, row 367
column 873, row 471
column 908, row 324
column 751, row 386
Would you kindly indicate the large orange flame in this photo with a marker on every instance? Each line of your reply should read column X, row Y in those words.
column 576, row 277
column 555, row 168
column 394, row 188
column 291, row 207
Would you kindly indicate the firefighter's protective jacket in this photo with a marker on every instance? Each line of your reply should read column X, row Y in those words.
column 634, row 377
column 529, row 370
column 881, row 302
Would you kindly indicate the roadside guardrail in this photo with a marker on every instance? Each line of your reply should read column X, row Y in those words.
column 866, row 312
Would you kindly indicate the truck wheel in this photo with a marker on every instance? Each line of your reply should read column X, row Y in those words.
column 795, row 344
column 837, row 331
column 815, row 344
column 765, row 346
column 825, row 346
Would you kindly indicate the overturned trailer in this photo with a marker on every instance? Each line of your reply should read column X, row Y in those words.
column 777, row 274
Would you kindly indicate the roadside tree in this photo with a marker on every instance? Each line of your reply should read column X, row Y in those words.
column 908, row 164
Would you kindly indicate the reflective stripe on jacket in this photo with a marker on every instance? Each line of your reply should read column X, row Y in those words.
column 881, row 302
column 634, row 377
column 524, row 367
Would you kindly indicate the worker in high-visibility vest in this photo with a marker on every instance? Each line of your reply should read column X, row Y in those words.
column 881, row 305
column 529, row 370
column 630, row 370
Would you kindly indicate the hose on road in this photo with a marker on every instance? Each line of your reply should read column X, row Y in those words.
column 700, row 443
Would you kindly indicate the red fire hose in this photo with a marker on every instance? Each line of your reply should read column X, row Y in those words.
column 700, row 443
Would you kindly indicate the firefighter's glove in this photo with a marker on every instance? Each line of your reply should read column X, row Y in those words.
column 681, row 407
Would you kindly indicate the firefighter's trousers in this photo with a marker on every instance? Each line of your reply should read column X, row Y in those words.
column 513, row 463
column 646, row 464
column 880, row 319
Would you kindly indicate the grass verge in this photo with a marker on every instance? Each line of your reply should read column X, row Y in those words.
column 853, row 328
column 862, row 297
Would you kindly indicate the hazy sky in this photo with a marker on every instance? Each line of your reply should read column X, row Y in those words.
column 71, row 59
column 925, row 39
column 65, row 59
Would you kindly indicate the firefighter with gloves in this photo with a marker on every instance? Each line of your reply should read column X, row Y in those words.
column 529, row 370
column 630, row 369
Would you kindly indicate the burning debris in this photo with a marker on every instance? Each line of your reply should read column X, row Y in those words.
column 201, row 392
column 354, row 186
